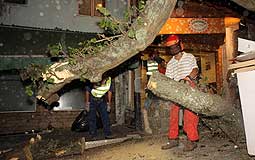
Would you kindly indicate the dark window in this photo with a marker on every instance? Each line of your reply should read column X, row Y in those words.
column 13, row 97
column 88, row 7
column 85, row 7
column 16, row 1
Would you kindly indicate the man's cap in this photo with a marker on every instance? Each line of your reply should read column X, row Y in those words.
column 171, row 40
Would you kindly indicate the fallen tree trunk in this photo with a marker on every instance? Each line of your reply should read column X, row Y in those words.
column 215, row 112
column 191, row 98
column 92, row 67
column 248, row 4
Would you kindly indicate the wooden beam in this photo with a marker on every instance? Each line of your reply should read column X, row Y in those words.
column 193, row 26
column 229, row 53
column 131, row 89
column 246, row 69
column 219, row 72
column 241, row 64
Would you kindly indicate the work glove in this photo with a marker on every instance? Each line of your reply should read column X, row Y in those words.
column 108, row 108
column 87, row 106
column 186, row 80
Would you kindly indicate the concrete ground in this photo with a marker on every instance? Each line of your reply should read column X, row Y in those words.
column 62, row 144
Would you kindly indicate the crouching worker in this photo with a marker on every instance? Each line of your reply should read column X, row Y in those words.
column 98, row 98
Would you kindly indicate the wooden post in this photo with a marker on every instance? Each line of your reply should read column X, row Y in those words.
column 137, row 97
column 124, row 104
column 144, row 81
column 143, row 84
column 231, row 50
column 118, row 91
column 131, row 88
column 121, row 97
column 219, row 76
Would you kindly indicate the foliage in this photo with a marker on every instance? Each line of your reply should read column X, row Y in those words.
column 88, row 47
column 34, row 73
column 55, row 50
column 29, row 90
column 141, row 5
column 104, row 11
column 131, row 33
column 115, row 26
column 111, row 25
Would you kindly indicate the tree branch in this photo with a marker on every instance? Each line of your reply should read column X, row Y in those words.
column 92, row 67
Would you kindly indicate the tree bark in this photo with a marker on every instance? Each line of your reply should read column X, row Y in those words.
column 191, row 98
column 214, row 111
column 248, row 4
column 92, row 67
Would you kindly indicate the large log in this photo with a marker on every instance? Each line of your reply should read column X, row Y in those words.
column 92, row 67
column 191, row 98
column 247, row 4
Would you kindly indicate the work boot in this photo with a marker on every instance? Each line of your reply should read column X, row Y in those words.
column 189, row 146
column 110, row 136
column 170, row 144
column 93, row 137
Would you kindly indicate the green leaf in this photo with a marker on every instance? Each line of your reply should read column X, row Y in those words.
column 141, row 5
column 131, row 33
column 127, row 15
column 93, row 40
column 139, row 20
column 102, row 23
column 29, row 90
column 54, row 50
column 103, row 11
column 50, row 80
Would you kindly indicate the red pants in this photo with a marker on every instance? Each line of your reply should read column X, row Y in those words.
column 190, row 123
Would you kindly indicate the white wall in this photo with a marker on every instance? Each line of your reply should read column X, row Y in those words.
column 49, row 14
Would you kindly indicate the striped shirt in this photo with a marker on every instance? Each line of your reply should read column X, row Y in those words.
column 178, row 70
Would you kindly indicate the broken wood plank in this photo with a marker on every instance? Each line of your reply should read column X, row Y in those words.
column 241, row 64
column 5, row 151
column 246, row 69
column 246, row 56
column 94, row 144
column 188, row 97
